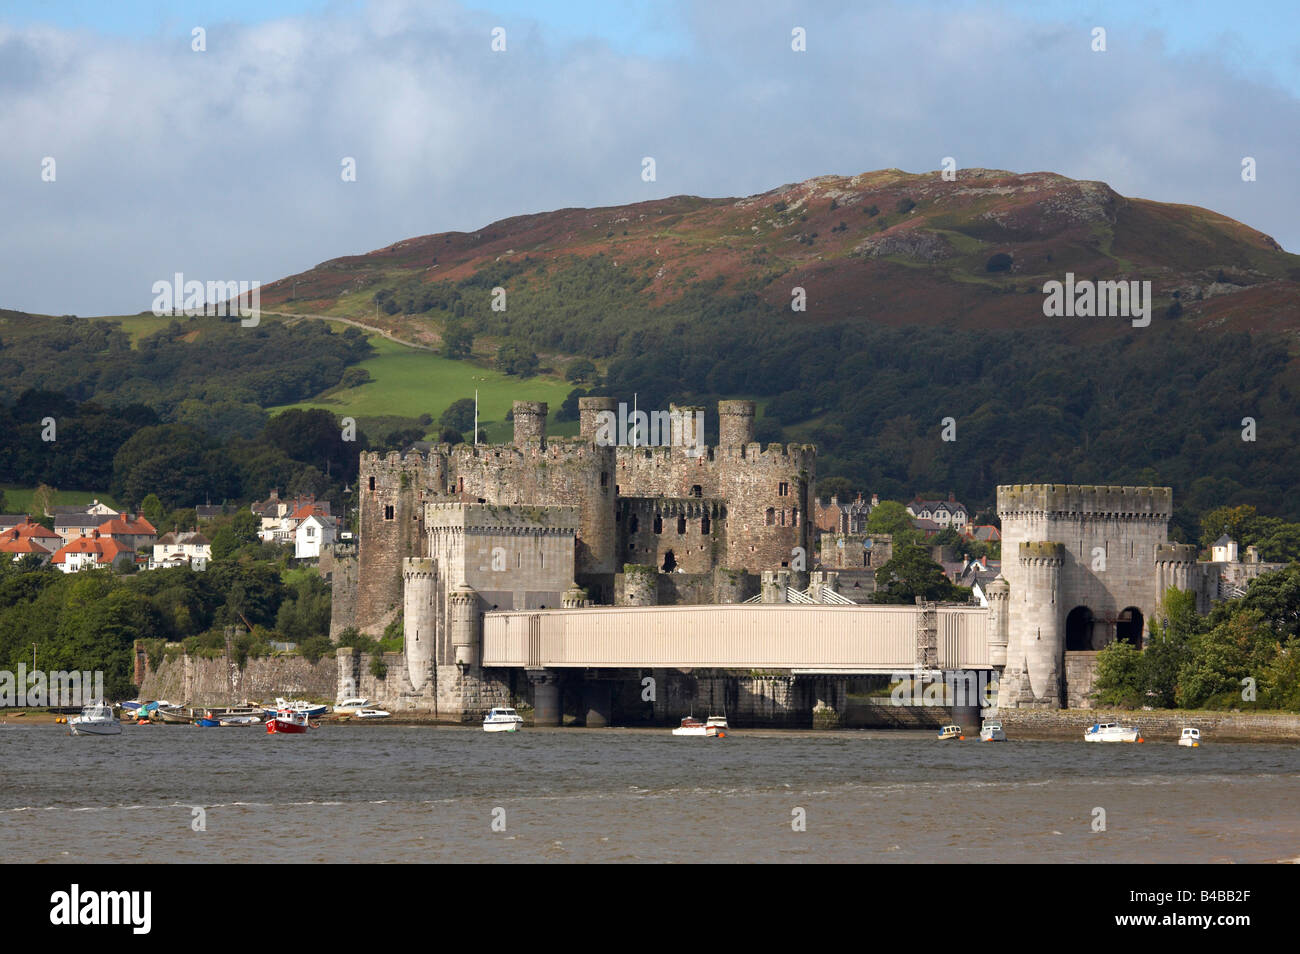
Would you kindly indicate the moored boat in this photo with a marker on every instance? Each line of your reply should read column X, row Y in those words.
column 1191, row 738
column 372, row 713
column 692, row 726
column 992, row 732
column 951, row 732
column 310, row 709
column 502, row 720
column 97, row 719
column 288, row 722
column 350, row 706
column 1111, row 732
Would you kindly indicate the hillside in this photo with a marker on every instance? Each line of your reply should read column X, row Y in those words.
column 889, row 247
column 924, row 302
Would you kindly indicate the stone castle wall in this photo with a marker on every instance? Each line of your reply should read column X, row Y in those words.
column 196, row 681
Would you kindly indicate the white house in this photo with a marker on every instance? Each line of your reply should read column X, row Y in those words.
column 178, row 548
column 1223, row 550
column 312, row 533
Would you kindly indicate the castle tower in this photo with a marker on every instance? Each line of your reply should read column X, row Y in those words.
column 1079, row 563
column 589, row 411
column 530, row 424
column 420, row 619
column 735, row 423
column 687, row 425
column 998, row 594
column 392, row 492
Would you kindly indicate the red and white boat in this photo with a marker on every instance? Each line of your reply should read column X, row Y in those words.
column 288, row 722
column 715, row 727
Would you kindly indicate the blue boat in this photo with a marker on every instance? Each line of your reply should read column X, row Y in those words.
column 208, row 723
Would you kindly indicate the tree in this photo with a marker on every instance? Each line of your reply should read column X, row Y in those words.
column 153, row 510
column 457, row 341
column 581, row 371
column 911, row 573
column 1120, row 679
column 460, row 416
column 516, row 359
column 890, row 516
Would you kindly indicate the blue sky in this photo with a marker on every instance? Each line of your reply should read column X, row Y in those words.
column 225, row 163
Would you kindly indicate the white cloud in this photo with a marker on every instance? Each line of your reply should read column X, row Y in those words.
column 225, row 164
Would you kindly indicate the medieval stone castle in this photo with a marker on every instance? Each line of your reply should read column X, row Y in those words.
column 451, row 533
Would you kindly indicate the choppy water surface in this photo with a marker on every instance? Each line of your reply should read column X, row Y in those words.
column 392, row 793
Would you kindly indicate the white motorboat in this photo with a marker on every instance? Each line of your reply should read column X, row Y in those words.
column 502, row 720
column 992, row 732
column 350, row 706
column 1191, row 738
column 97, row 719
column 714, row 728
column 951, row 732
column 1111, row 732
column 370, row 713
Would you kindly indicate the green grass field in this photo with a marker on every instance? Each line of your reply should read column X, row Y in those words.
column 409, row 383
column 19, row 499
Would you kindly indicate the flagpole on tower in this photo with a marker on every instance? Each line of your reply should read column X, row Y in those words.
column 476, row 417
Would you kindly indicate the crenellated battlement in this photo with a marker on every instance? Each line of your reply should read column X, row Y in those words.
column 1175, row 553
column 1085, row 499
column 1043, row 552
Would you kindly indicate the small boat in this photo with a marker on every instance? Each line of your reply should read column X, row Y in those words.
column 208, row 720
column 1191, row 738
column 173, row 715
column 502, row 720
column 951, row 732
column 992, row 732
column 97, row 719
column 350, row 706
column 369, row 713
column 236, row 720
column 713, row 728
column 310, row 709
column 288, row 722
column 1111, row 732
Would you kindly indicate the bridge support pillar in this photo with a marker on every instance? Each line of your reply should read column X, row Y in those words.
column 597, row 702
column 546, row 697
column 968, row 717
column 831, row 695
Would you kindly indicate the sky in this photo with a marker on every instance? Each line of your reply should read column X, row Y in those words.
column 226, row 163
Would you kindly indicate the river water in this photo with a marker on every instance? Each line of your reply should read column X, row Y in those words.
column 366, row 793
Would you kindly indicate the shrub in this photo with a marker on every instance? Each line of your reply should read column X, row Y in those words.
column 998, row 262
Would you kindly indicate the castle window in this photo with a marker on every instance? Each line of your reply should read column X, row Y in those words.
column 783, row 489
column 697, row 491
column 372, row 483
column 783, row 518
column 704, row 525
column 632, row 523
column 460, row 485
column 604, row 478
column 771, row 517
column 388, row 512
column 681, row 525
column 659, row 524
column 794, row 517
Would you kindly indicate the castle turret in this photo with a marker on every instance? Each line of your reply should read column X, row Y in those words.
column 462, row 611
column 589, row 411
column 1037, row 640
column 419, row 618
column 530, row 423
column 735, row 423
column 999, row 592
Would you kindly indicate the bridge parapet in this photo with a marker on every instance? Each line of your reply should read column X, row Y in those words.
column 807, row 638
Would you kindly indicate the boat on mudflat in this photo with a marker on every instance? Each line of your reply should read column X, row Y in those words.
column 1111, row 732
column 992, row 732
column 1191, row 738
column 951, row 732
column 715, row 727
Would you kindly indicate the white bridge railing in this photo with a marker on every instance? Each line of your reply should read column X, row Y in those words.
column 809, row 638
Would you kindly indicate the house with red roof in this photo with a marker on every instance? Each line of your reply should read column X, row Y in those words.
column 92, row 552
column 134, row 532
column 13, row 542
